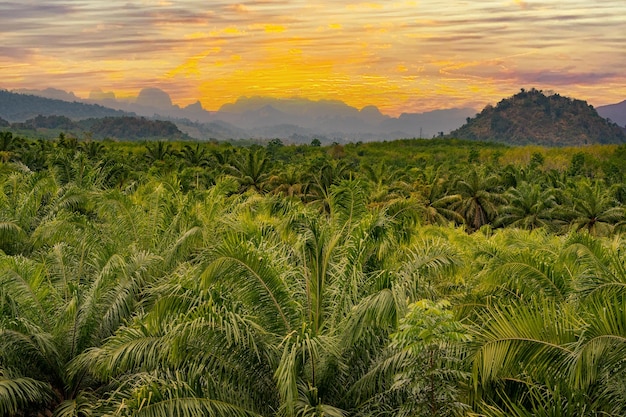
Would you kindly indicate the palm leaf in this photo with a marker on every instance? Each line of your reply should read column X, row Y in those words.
column 257, row 281
column 18, row 393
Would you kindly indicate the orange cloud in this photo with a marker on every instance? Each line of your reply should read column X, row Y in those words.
column 399, row 55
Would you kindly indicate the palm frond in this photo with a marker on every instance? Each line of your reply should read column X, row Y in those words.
column 18, row 393
column 524, row 339
column 256, row 279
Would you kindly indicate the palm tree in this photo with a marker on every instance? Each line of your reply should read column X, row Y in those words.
column 9, row 147
column 387, row 182
column 158, row 151
column 196, row 155
column 594, row 210
column 86, row 280
column 318, row 191
column 557, row 347
column 529, row 207
column 437, row 203
column 35, row 154
column 94, row 150
column 251, row 169
column 56, row 309
column 270, row 299
column 289, row 181
column 480, row 197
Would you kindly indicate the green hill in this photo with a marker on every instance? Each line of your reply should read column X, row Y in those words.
column 122, row 128
column 20, row 107
column 531, row 117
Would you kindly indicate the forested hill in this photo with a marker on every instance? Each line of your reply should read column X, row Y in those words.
column 122, row 128
column 531, row 117
column 20, row 107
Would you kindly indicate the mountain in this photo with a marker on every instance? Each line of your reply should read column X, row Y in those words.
column 530, row 117
column 334, row 119
column 52, row 93
column 15, row 107
column 615, row 112
column 154, row 97
column 151, row 102
column 292, row 119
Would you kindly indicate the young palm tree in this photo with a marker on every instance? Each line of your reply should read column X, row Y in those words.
column 273, row 299
column 480, row 198
column 318, row 191
column 289, row 182
column 557, row 347
column 387, row 182
column 437, row 203
column 529, row 207
column 594, row 209
column 251, row 168
column 197, row 155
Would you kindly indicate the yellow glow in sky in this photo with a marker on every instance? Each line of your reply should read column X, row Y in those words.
column 402, row 56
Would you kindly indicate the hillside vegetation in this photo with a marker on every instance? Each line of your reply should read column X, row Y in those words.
column 16, row 107
column 530, row 117
column 122, row 128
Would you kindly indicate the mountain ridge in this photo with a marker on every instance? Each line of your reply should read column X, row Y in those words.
column 327, row 120
column 17, row 107
column 299, row 120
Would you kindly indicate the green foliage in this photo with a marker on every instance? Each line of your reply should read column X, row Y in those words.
column 170, row 278
column 433, row 343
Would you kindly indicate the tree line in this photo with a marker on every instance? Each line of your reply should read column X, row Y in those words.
column 444, row 181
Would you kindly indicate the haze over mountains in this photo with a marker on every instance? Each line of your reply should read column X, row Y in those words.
column 295, row 120
column 291, row 119
column 615, row 112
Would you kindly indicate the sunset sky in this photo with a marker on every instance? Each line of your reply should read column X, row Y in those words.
column 402, row 56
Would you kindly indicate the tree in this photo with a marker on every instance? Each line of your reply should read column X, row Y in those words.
column 594, row 209
column 251, row 168
column 431, row 343
column 158, row 151
column 387, row 182
column 318, row 189
column 557, row 347
column 269, row 299
column 437, row 203
column 529, row 207
column 480, row 197
column 196, row 156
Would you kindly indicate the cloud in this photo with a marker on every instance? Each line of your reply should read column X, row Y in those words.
column 566, row 78
column 375, row 51
column 238, row 8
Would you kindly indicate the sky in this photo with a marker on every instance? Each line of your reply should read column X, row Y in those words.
column 401, row 56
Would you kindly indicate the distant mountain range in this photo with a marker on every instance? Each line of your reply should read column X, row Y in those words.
column 291, row 119
column 530, row 117
column 527, row 118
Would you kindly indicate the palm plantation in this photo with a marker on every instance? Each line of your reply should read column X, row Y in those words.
column 198, row 280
